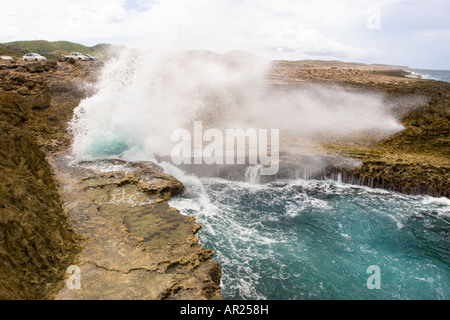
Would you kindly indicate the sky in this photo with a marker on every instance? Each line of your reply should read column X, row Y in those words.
column 414, row 33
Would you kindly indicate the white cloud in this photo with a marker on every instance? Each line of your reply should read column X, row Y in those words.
column 258, row 26
column 329, row 29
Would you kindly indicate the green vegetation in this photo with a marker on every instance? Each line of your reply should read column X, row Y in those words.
column 52, row 50
column 6, row 52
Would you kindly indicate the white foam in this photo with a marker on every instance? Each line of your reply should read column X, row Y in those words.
column 441, row 201
column 252, row 174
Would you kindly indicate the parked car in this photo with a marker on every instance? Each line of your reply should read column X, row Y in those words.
column 90, row 57
column 77, row 56
column 34, row 57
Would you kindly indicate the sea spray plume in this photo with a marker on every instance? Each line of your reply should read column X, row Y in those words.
column 95, row 125
column 312, row 110
column 144, row 96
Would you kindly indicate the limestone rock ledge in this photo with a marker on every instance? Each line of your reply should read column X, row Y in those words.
column 136, row 246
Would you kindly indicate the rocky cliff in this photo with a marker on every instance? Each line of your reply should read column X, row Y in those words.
column 53, row 216
column 37, row 242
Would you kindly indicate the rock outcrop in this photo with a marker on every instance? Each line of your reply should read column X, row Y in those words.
column 137, row 246
column 37, row 242
column 125, row 250
column 413, row 161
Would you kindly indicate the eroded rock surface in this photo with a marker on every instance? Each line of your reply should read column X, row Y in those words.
column 137, row 246
column 413, row 161
column 37, row 242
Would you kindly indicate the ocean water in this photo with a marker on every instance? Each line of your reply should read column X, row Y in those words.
column 440, row 75
column 308, row 239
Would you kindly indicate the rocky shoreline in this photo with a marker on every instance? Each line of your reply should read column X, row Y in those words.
column 413, row 161
column 54, row 215
column 135, row 245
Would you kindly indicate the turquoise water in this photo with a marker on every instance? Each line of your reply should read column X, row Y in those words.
column 106, row 146
column 316, row 239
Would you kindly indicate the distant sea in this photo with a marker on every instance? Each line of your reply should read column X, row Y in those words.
column 440, row 75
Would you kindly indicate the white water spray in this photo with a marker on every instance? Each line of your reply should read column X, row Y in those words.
column 143, row 97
